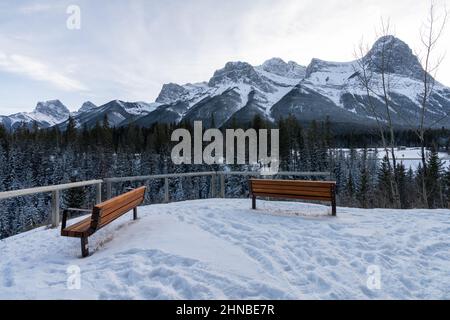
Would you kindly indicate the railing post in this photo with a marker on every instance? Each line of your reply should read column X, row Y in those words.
column 222, row 185
column 166, row 190
column 213, row 186
column 55, row 208
column 108, row 190
column 99, row 194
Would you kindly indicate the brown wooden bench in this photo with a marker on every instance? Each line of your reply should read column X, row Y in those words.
column 102, row 214
column 296, row 189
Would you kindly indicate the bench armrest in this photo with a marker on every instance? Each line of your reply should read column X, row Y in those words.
column 66, row 213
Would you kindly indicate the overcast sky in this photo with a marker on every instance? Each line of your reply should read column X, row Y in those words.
column 127, row 49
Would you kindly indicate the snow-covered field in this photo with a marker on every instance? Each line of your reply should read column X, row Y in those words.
column 220, row 249
column 410, row 157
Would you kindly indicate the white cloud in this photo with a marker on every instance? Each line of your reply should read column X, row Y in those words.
column 36, row 70
column 36, row 8
column 128, row 49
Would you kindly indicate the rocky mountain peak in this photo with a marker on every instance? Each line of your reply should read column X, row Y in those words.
column 53, row 108
column 314, row 66
column 170, row 92
column 394, row 56
column 279, row 67
column 87, row 106
column 234, row 72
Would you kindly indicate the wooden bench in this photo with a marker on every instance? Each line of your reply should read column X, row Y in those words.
column 102, row 214
column 296, row 189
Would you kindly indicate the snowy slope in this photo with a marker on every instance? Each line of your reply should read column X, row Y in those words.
column 220, row 249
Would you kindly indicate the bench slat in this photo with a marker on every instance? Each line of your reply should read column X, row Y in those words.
column 118, row 213
column 120, row 203
column 277, row 195
column 304, row 183
column 110, row 210
column 112, row 202
column 77, row 229
column 293, row 188
column 293, row 192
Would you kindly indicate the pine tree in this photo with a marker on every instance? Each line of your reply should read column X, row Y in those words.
column 384, row 176
column 447, row 187
column 70, row 135
column 402, row 186
column 364, row 186
column 433, row 179
column 75, row 197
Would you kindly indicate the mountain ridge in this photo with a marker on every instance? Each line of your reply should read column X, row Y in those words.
column 321, row 90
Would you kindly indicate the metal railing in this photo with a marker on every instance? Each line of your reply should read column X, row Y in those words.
column 213, row 174
column 55, row 190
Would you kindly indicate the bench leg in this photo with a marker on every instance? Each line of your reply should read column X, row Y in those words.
column 84, row 247
column 333, row 209
column 333, row 205
column 134, row 213
column 333, row 200
column 253, row 202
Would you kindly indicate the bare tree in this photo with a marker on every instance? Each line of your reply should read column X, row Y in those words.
column 430, row 34
column 374, row 77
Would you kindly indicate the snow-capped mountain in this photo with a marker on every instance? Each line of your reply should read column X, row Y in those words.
column 275, row 89
column 334, row 89
column 237, row 88
column 116, row 111
column 46, row 114
column 54, row 113
column 87, row 107
column 279, row 67
column 239, row 91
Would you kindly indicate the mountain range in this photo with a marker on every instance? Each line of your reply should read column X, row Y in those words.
column 275, row 89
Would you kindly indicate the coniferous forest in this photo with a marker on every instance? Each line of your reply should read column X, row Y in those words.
column 30, row 157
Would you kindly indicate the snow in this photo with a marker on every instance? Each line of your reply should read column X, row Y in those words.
column 334, row 79
column 221, row 249
column 410, row 157
column 279, row 85
column 330, row 79
column 140, row 108
column 287, row 70
column 47, row 113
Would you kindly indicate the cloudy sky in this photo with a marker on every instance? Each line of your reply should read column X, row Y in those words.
column 128, row 49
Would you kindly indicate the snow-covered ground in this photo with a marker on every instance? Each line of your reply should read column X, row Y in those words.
column 220, row 249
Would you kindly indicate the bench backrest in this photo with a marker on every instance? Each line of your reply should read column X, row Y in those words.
column 106, row 212
column 297, row 189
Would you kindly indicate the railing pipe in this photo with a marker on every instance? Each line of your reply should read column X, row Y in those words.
column 58, row 187
column 55, row 190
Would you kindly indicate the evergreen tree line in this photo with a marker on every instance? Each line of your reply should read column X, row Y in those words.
column 32, row 157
